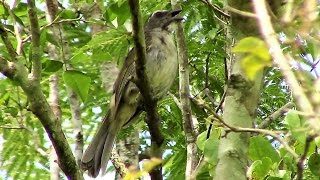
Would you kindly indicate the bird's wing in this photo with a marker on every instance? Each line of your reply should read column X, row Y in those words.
column 128, row 69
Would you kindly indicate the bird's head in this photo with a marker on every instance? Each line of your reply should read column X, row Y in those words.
column 162, row 20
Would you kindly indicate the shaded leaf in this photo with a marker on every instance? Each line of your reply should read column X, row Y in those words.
column 260, row 168
column 52, row 65
column 314, row 164
column 79, row 82
column 260, row 148
column 296, row 126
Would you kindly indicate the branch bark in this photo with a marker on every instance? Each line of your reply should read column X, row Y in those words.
column 35, row 33
column 153, row 120
column 189, row 126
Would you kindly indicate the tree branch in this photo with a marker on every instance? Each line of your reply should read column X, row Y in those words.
column 35, row 33
column 150, row 104
column 7, row 43
column 273, row 134
column 266, row 122
column 242, row 13
column 188, row 124
column 300, row 164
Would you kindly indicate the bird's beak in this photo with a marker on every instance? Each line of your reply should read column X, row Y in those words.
column 174, row 16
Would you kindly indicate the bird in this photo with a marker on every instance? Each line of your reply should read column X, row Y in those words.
column 126, row 103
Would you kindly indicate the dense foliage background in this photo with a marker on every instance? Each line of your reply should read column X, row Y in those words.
column 90, row 39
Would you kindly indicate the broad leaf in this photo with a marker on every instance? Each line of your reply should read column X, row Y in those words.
column 314, row 164
column 79, row 82
column 260, row 148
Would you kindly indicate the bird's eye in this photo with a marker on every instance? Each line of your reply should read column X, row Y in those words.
column 158, row 14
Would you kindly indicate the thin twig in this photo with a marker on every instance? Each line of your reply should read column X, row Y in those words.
column 268, row 33
column 273, row 134
column 260, row 131
column 12, row 127
column 266, row 122
column 242, row 13
column 300, row 164
column 217, row 109
column 216, row 8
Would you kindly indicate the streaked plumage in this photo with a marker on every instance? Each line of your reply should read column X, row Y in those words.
column 126, row 102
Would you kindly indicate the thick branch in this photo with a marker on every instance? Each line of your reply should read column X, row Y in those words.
column 7, row 43
column 35, row 34
column 7, row 68
column 142, row 82
column 188, row 124
column 150, row 104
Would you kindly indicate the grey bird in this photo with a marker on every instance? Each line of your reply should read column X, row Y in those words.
column 126, row 102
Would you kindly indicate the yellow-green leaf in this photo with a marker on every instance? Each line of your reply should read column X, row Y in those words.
column 251, row 65
column 256, row 58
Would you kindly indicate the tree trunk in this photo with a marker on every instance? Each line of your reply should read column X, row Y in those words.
column 240, row 101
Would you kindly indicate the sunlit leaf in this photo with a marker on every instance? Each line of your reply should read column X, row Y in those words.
column 201, row 140
column 251, row 66
column 256, row 56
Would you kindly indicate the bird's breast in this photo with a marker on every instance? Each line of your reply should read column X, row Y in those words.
column 162, row 62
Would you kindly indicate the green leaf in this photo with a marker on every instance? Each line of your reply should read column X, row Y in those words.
column 273, row 178
column 43, row 37
column 2, row 10
column 78, row 81
column 211, row 151
column 296, row 126
column 201, row 139
column 51, row 39
column 12, row 111
column 100, row 55
column 260, row 147
column 67, row 14
column 52, row 65
column 212, row 33
column 314, row 164
column 21, row 9
column 260, row 168
column 317, row 141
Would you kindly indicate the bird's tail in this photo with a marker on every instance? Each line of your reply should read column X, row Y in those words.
column 98, row 152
